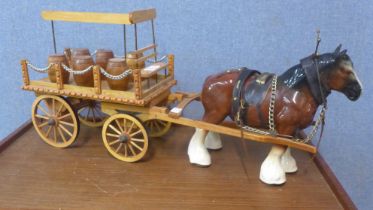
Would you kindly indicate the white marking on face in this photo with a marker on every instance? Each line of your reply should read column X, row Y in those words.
column 348, row 66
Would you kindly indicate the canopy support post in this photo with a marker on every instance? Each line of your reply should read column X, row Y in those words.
column 54, row 38
column 124, row 41
column 155, row 47
column 136, row 47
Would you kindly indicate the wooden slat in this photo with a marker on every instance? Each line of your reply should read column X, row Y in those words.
column 156, row 86
column 153, row 69
column 106, row 18
column 177, row 111
column 25, row 75
column 141, row 50
column 146, row 57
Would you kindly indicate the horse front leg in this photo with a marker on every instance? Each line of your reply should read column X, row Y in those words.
column 197, row 151
column 271, row 171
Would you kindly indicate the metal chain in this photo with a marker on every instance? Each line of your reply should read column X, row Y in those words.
column 271, row 109
column 315, row 128
column 40, row 70
column 116, row 77
column 78, row 72
column 272, row 130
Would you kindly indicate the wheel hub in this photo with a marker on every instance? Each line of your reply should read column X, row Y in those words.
column 52, row 122
column 124, row 138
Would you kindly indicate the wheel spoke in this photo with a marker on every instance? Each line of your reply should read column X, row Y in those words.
column 80, row 110
column 89, row 111
column 114, row 129
column 112, row 135
column 59, row 110
column 42, row 117
column 118, row 148
column 94, row 116
column 157, row 125
column 135, row 133
column 125, row 150
column 120, row 127
column 43, row 124
column 43, row 110
column 64, row 116
column 114, row 142
column 124, row 124
column 130, row 129
column 151, row 125
column 61, row 134
column 137, row 146
column 162, row 122
column 64, row 129
column 131, row 149
column 138, row 140
column 67, row 123
column 48, row 131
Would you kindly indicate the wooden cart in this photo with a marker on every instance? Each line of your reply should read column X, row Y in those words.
column 146, row 109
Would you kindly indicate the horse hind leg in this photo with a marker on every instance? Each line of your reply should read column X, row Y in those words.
column 202, row 139
column 288, row 162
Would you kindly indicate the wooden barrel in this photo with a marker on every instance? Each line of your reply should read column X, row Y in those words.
column 117, row 66
column 79, row 51
column 102, row 58
column 58, row 59
column 131, row 58
column 82, row 62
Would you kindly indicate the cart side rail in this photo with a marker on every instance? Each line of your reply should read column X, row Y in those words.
column 103, row 18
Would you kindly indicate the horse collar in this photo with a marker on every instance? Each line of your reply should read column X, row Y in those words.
column 311, row 69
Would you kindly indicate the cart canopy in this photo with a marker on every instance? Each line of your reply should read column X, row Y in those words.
column 105, row 18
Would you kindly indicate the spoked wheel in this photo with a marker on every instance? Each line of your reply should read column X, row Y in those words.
column 157, row 128
column 91, row 114
column 55, row 121
column 125, row 137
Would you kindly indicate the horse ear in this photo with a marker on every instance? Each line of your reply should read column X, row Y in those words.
column 343, row 52
column 338, row 49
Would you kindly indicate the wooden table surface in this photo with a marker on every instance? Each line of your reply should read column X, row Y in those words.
column 36, row 176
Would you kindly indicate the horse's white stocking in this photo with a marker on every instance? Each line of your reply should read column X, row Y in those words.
column 271, row 171
column 288, row 162
column 197, row 151
column 213, row 141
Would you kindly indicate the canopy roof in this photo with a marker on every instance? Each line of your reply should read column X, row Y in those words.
column 105, row 18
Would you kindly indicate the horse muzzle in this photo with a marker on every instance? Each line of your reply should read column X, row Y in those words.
column 352, row 91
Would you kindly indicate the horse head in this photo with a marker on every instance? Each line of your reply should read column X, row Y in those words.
column 341, row 75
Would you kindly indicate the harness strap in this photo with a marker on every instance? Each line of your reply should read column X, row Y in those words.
column 238, row 104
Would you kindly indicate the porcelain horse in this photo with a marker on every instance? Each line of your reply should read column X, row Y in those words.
column 296, row 102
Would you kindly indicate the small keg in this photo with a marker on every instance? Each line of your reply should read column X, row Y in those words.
column 58, row 59
column 80, row 63
column 117, row 66
column 102, row 58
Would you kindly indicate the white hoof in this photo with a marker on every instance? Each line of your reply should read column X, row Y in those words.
column 271, row 171
column 288, row 162
column 197, row 151
column 199, row 157
column 213, row 141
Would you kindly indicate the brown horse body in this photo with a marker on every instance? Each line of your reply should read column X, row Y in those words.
column 300, row 90
column 294, row 108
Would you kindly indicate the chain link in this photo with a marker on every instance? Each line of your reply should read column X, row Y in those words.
column 116, row 77
column 77, row 72
column 271, row 109
column 40, row 70
column 272, row 131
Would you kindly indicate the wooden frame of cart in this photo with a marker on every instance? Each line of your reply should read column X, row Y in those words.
column 128, row 117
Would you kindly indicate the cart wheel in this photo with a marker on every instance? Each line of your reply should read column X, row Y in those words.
column 157, row 128
column 125, row 137
column 55, row 121
column 91, row 114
